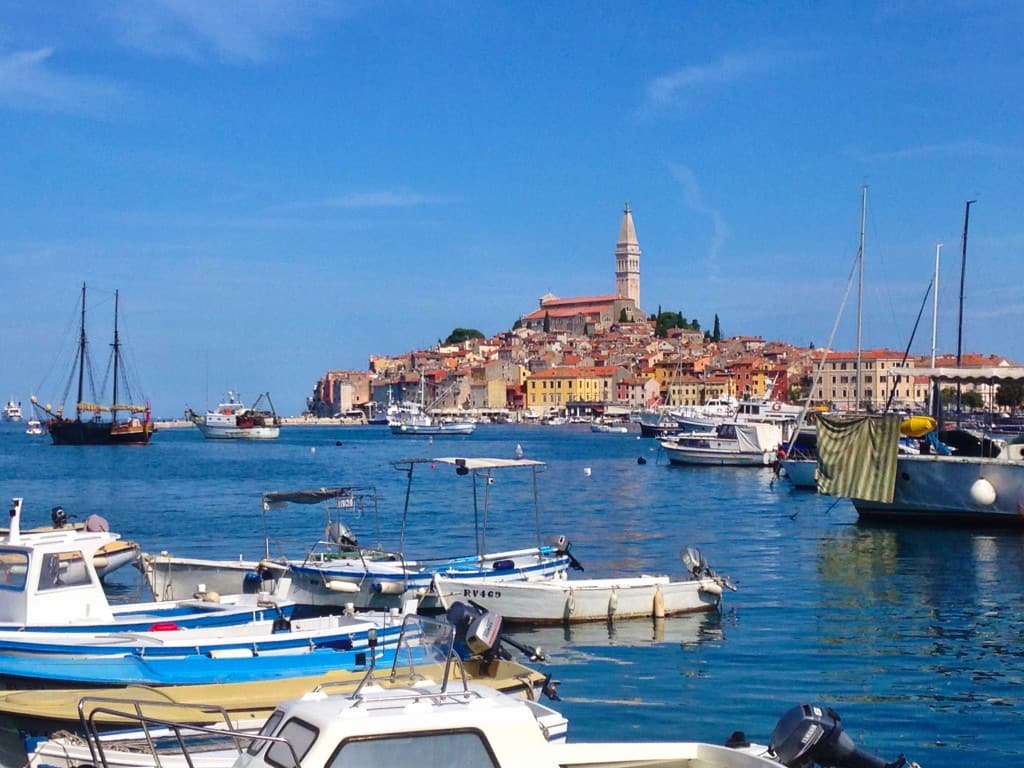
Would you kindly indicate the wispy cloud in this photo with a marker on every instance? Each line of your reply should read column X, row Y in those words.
column 196, row 30
column 668, row 90
column 29, row 80
column 694, row 200
column 959, row 148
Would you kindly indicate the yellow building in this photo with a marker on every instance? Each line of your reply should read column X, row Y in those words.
column 551, row 390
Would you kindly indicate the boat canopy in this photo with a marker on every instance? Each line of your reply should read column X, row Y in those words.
column 276, row 499
column 475, row 464
column 979, row 375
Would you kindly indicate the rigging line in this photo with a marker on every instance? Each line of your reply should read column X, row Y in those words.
column 906, row 352
column 824, row 356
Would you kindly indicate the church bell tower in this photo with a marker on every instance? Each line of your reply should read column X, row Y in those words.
column 627, row 260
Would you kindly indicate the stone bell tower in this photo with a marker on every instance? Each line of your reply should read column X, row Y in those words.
column 627, row 260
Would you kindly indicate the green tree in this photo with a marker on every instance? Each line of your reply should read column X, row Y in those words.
column 1010, row 395
column 972, row 399
column 547, row 322
column 716, row 334
column 459, row 335
column 623, row 317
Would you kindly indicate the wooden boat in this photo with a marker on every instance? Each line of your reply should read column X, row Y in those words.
column 571, row 600
column 90, row 427
column 249, row 702
column 50, row 584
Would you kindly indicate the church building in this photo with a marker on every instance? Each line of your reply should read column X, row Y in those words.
column 588, row 314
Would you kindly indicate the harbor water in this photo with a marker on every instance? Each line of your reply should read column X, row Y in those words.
column 914, row 636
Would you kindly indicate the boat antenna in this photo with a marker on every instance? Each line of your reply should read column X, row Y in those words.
column 960, row 319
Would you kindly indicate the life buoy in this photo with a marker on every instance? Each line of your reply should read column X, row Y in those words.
column 776, row 406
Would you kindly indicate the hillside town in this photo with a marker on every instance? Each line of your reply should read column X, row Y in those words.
column 604, row 355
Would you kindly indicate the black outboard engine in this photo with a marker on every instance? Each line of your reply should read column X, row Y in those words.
column 560, row 544
column 59, row 517
column 811, row 734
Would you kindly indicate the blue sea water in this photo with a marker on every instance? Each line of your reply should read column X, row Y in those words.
column 915, row 636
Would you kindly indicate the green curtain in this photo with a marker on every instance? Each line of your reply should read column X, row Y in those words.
column 857, row 456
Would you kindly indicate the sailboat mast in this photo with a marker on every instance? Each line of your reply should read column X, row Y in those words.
column 860, row 286
column 117, row 358
column 934, row 390
column 960, row 318
column 81, row 360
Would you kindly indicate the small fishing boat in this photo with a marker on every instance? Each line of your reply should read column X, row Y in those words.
column 607, row 428
column 571, row 600
column 338, row 570
column 233, row 420
column 49, row 582
column 425, row 651
column 90, row 426
column 33, row 427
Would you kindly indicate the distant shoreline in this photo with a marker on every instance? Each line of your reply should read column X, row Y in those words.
column 286, row 421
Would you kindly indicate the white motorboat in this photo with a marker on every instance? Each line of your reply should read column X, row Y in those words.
column 731, row 444
column 33, row 427
column 570, row 600
column 12, row 411
column 233, row 420
column 431, row 724
column 50, row 582
column 606, row 427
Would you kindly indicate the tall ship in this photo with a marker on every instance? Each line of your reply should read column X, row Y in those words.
column 119, row 423
column 233, row 420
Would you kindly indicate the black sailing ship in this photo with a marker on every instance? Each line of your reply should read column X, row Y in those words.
column 94, row 423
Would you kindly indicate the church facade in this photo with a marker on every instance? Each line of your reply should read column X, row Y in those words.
column 588, row 314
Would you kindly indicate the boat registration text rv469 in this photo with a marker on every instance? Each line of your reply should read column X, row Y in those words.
column 481, row 593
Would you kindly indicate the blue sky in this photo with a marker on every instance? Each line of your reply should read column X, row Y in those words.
column 282, row 188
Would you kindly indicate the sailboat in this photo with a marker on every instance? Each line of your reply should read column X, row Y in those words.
column 91, row 426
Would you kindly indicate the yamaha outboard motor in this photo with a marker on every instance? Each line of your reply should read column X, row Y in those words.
column 810, row 735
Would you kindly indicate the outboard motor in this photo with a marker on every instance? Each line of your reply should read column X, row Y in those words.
column 476, row 630
column 561, row 544
column 59, row 517
column 810, row 735
column 340, row 534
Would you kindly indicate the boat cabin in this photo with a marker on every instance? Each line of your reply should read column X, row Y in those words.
column 49, row 577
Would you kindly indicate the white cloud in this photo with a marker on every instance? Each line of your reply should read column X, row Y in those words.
column 235, row 31
column 694, row 200
column 669, row 89
column 29, row 80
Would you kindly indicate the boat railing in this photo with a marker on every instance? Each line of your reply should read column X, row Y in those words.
column 173, row 732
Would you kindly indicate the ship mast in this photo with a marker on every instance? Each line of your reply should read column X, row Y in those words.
column 117, row 359
column 81, row 360
column 860, row 288
column 960, row 319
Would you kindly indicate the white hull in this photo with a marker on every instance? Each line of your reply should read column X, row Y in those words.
column 938, row 488
column 718, row 457
column 218, row 432
column 455, row 428
column 562, row 601
column 179, row 578
column 800, row 472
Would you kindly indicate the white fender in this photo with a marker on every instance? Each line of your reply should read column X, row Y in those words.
column 982, row 493
column 613, row 602
column 388, row 587
column 658, row 609
column 711, row 588
column 336, row 585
